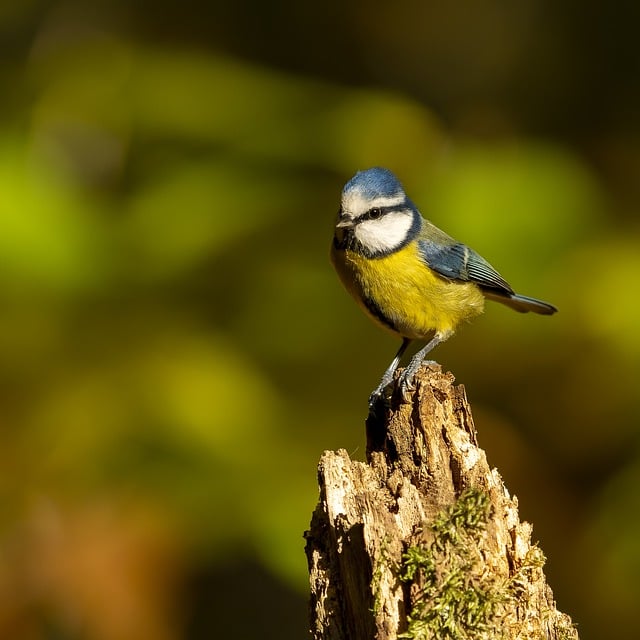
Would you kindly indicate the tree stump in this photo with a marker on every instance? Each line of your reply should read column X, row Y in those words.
column 423, row 540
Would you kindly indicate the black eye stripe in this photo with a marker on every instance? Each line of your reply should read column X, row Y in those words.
column 377, row 212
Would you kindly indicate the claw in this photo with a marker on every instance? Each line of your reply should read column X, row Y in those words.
column 377, row 404
column 373, row 399
column 406, row 381
column 406, row 386
column 377, row 395
column 407, row 377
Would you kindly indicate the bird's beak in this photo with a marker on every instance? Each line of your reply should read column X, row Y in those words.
column 344, row 222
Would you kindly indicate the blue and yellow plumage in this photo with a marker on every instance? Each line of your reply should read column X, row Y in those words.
column 409, row 276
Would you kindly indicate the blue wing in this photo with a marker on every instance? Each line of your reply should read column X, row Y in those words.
column 456, row 261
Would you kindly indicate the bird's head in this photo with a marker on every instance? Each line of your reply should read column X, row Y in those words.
column 375, row 214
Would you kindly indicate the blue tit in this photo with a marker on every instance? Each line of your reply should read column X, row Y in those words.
column 409, row 276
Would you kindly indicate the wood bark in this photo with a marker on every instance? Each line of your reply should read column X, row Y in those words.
column 423, row 540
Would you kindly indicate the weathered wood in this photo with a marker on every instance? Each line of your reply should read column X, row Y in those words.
column 423, row 540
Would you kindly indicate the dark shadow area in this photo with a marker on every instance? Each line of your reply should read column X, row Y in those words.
column 243, row 600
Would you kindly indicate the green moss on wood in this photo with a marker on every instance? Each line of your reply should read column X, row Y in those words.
column 452, row 596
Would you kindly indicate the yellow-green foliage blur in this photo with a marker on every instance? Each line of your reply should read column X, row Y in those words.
column 176, row 352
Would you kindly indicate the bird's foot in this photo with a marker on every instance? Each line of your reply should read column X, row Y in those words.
column 407, row 378
column 381, row 395
column 377, row 396
column 406, row 385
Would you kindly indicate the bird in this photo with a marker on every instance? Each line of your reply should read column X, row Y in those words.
column 408, row 275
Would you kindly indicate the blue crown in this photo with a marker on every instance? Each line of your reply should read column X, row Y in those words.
column 373, row 183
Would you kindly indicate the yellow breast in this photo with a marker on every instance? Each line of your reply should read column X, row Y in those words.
column 402, row 294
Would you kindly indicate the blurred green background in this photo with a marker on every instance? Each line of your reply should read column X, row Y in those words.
column 176, row 352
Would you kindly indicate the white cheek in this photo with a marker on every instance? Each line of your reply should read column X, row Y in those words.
column 386, row 233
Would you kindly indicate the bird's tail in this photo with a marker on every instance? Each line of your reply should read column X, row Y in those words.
column 523, row 304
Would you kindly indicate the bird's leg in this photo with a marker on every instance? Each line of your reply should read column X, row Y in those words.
column 388, row 374
column 406, row 378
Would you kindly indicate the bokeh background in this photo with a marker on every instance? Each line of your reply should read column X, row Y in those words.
column 176, row 352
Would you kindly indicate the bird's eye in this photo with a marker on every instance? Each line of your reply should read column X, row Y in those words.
column 374, row 214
